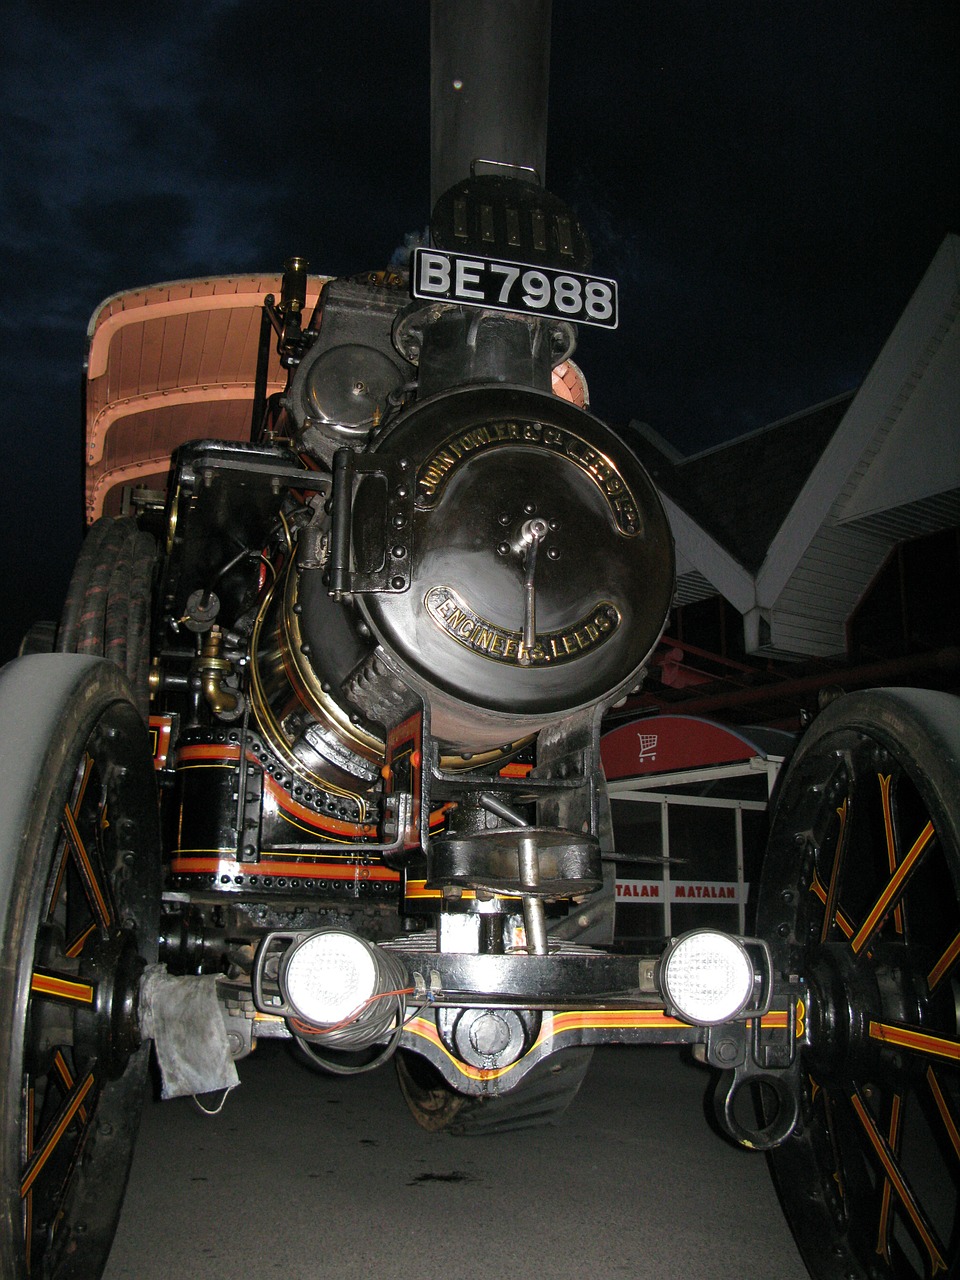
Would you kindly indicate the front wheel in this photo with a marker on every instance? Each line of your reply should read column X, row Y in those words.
column 79, row 904
column 861, row 898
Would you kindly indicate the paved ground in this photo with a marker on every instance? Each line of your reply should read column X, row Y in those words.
column 307, row 1176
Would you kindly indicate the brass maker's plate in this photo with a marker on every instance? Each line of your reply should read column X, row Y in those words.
column 601, row 469
column 453, row 616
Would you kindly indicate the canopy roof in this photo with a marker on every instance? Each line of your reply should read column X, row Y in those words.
column 167, row 364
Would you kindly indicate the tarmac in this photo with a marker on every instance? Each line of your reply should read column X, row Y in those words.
column 304, row 1175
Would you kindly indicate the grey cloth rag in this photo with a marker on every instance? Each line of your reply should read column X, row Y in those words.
column 182, row 1017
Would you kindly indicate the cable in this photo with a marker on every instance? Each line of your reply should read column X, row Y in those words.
column 213, row 1111
column 332, row 1065
column 375, row 1018
column 354, row 1069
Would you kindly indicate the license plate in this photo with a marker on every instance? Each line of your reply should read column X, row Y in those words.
column 514, row 286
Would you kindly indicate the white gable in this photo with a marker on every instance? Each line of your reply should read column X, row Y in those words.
column 890, row 472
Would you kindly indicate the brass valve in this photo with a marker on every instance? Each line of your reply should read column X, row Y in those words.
column 213, row 671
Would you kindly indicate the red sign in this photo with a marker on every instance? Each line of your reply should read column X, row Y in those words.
column 664, row 744
column 642, row 891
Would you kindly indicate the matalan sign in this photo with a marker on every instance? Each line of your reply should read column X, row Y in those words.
column 681, row 891
column 513, row 286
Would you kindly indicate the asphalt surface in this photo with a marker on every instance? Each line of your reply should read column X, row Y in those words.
column 303, row 1175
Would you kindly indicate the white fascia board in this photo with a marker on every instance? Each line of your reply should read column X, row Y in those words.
column 875, row 406
column 697, row 548
column 920, row 458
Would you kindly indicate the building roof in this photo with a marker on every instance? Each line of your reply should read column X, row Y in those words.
column 741, row 492
column 792, row 523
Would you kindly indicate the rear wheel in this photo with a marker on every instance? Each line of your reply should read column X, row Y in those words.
column 79, row 904
column 861, row 898
column 107, row 610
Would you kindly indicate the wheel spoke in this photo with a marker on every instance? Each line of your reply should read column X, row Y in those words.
column 893, row 890
column 66, row 1077
column 893, row 1140
column 27, row 1199
column 61, row 986
column 891, row 839
column 891, row 1167
column 943, row 1107
column 917, row 1041
column 944, row 964
column 94, row 888
column 56, row 1130
column 57, row 880
column 816, row 888
column 85, row 774
column 80, row 941
column 833, row 893
column 828, row 1111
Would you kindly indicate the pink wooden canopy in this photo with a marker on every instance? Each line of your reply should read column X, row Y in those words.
column 167, row 364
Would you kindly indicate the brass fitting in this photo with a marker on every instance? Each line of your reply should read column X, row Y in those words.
column 213, row 671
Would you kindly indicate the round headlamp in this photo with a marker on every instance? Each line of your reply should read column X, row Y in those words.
column 706, row 977
column 328, row 976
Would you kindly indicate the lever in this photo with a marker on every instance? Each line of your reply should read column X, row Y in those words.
column 531, row 535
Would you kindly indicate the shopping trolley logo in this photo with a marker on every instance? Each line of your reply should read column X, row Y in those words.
column 648, row 747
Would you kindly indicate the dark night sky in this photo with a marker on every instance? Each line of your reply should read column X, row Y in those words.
column 768, row 182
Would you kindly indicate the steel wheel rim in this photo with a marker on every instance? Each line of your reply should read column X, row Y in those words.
column 76, row 1070
column 862, row 893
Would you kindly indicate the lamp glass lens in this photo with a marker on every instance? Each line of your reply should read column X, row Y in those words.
column 329, row 976
column 708, row 977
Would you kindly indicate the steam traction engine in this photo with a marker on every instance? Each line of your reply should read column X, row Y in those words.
column 361, row 640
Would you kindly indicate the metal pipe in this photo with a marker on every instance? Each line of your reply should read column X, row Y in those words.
column 340, row 522
column 213, row 671
column 489, row 79
column 263, row 368
column 493, row 805
column 534, row 917
column 945, row 660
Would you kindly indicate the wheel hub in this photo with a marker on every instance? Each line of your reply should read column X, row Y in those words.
column 843, row 997
column 110, row 1030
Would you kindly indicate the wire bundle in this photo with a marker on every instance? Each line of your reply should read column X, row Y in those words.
column 377, row 1020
